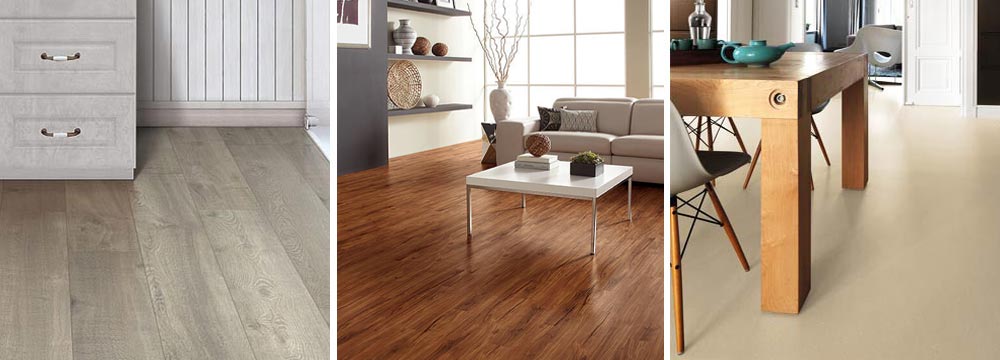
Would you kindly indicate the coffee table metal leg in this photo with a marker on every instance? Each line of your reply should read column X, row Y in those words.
column 523, row 202
column 630, row 199
column 593, row 241
column 468, row 209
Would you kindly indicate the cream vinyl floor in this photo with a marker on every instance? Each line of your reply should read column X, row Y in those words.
column 906, row 269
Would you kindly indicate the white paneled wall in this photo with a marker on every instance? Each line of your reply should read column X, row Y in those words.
column 221, row 54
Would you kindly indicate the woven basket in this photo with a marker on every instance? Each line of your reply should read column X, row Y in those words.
column 404, row 84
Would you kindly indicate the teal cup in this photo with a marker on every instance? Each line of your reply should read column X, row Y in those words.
column 681, row 44
column 707, row 44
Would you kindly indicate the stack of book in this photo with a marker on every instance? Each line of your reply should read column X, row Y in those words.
column 544, row 162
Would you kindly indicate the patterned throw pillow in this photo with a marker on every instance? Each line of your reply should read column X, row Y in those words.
column 578, row 120
column 550, row 119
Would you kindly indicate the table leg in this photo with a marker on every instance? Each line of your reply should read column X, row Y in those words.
column 593, row 241
column 855, row 136
column 785, row 214
column 468, row 209
column 630, row 199
column 523, row 202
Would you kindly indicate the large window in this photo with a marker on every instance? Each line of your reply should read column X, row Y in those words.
column 573, row 48
column 660, row 45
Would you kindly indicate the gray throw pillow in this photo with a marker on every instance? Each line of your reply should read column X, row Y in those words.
column 578, row 120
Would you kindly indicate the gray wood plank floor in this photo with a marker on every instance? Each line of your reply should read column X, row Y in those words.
column 219, row 249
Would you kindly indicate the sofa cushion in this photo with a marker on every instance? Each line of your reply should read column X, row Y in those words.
column 647, row 117
column 613, row 114
column 578, row 120
column 575, row 141
column 645, row 146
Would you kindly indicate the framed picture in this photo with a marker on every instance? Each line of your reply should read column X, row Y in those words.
column 354, row 23
column 445, row 3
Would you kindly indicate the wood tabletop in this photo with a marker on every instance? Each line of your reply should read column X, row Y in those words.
column 793, row 66
column 769, row 92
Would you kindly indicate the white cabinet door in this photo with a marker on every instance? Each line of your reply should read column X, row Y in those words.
column 934, row 53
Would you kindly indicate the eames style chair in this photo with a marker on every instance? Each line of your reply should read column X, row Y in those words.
column 691, row 169
column 883, row 46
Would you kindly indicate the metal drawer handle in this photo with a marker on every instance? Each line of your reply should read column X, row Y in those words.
column 46, row 56
column 75, row 133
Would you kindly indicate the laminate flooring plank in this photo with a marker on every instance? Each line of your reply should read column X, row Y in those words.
column 34, row 275
column 313, row 166
column 187, row 135
column 213, row 178
column 266, row 136
column 280, row 318
column 194, row 309
column 295, row 213
column 155, row 152
column 112, row 315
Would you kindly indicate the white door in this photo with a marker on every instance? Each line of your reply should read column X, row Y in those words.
column 318, row 74
column 933, row 73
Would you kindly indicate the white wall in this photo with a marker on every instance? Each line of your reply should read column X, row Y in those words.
column 198, row 54
column 453, row 82
column 779, row 21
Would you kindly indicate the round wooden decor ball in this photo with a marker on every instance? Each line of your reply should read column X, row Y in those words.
column 422, row 46
column 538, row 145
column 440, row 49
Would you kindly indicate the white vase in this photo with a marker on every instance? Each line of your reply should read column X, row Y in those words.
column 500, row 103
column 405, row 36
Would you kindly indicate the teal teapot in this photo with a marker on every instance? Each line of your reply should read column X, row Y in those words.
column 757, row 54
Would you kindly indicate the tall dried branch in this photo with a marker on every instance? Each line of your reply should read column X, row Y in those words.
column 500, row 40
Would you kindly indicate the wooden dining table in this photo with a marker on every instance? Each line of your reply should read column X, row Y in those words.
column 783, row 96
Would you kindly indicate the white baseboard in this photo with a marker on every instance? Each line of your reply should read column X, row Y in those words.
column 66, row 174
column 988, row 111
column 221, row 117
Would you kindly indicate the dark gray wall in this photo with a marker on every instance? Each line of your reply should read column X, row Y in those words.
column 362, row 118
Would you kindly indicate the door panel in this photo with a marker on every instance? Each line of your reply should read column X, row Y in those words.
column 934, row 53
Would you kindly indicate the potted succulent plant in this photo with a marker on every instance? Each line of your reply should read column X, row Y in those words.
column 586, row 163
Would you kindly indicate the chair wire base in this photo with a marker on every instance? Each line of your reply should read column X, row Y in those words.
column 696, row 217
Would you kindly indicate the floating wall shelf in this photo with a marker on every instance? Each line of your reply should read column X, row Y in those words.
column 428, row 58
column 426, row 8
column 425, row 110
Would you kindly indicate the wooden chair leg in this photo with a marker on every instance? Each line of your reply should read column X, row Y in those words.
column 736, row 132
column 728, row 226
column 753, row 165
column 697, row 135
column 711, row 137
column 820, row 141
column 675, row 270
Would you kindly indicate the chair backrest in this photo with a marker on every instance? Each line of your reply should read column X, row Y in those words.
column 806, row 47
column 686, row 171
column 613, row 114
column 647, row 117
column 883, row 46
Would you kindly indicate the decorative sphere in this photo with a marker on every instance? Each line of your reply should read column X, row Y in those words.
column 440, row 49
column 422, row 46
column 538, row 145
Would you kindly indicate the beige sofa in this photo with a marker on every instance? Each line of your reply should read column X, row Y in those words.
column 629, row 132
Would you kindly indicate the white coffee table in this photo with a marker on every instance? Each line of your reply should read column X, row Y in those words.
column 556, row 182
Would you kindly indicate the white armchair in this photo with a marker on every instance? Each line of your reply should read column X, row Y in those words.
column 883, row 46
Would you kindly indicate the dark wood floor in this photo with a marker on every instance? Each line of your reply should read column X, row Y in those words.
column 411, row 285
column 218, row 250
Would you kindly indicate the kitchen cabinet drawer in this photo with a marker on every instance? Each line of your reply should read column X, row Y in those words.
column 41, row 57
column 75, row 9
column 80, row 132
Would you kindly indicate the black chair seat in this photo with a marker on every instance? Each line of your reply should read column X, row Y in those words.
column 719, row 163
